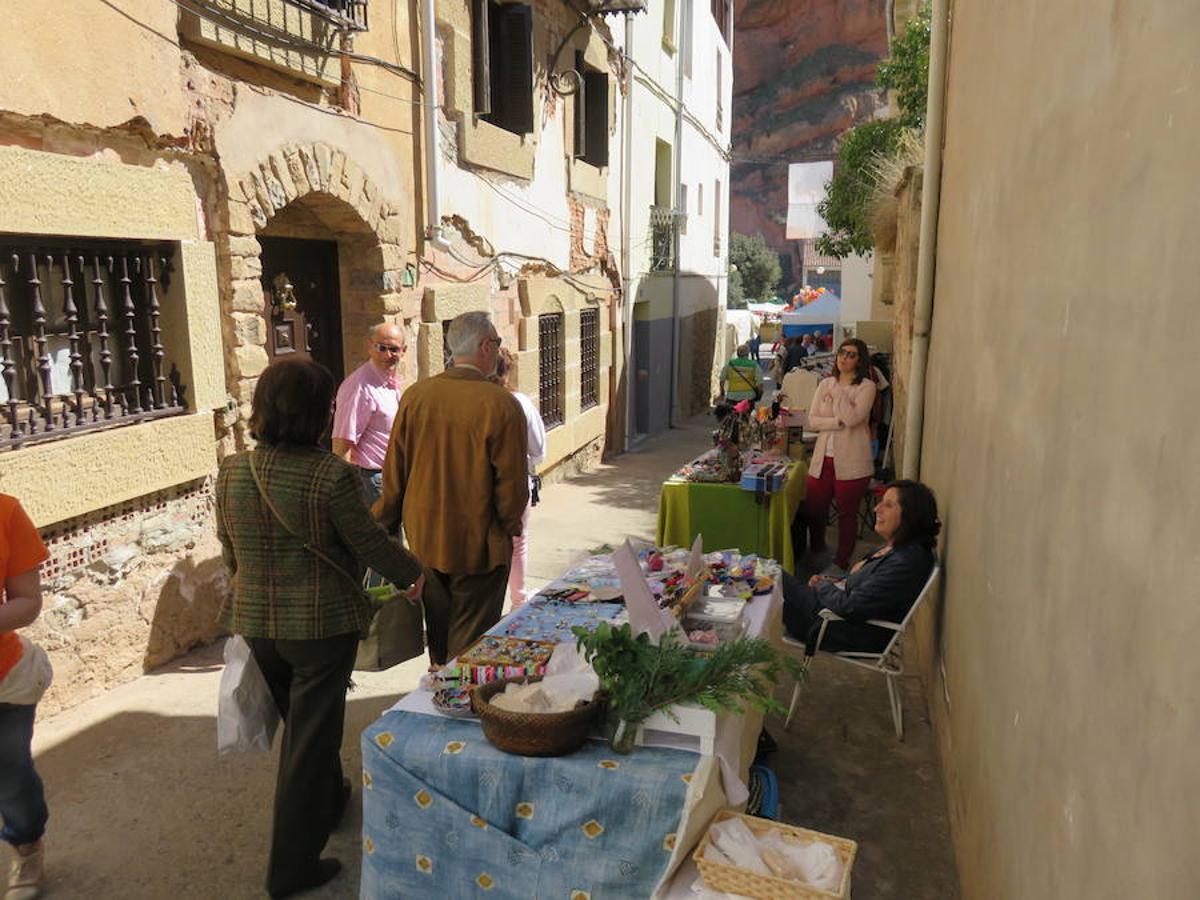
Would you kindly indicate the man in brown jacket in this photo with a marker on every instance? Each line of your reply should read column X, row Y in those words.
column 456, row 476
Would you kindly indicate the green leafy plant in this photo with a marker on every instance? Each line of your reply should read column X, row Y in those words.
column 846, row 208
column 755, row 269
column 640, row 677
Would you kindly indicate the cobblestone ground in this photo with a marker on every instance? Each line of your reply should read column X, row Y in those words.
column 142, row 807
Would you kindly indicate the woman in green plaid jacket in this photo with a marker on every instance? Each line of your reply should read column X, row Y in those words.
column 297, row 537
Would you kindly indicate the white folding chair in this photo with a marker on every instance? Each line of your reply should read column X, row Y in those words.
column 886, row 662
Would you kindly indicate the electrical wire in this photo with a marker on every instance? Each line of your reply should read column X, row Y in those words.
column 206, row 8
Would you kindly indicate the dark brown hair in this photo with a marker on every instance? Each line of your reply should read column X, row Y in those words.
column 863, row 370
column 293, row 403
column 919, row 523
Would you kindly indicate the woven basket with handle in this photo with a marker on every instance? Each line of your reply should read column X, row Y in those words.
column 733, row 880
column 532, row 734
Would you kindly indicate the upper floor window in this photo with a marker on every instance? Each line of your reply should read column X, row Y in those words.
column 502, row 64
column 82, row 343
column 591, row 115
column 668, row 30
column 720, row 11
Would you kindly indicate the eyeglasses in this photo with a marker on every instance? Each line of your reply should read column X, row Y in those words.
column 389, row 348
column 849, row 354
column 496, row 340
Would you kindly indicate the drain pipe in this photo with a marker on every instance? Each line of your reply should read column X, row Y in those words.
column 931, row 190
column 626, row 235
column 433, row 137
column 677, row 244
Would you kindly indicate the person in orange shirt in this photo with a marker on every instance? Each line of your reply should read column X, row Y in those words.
column 22, row 800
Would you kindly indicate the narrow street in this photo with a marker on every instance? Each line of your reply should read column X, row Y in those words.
column 142, row 807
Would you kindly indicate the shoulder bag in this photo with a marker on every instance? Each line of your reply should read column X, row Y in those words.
column 397, row 630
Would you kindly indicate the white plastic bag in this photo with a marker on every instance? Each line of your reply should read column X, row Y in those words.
column 27, row 681
column 246, row 713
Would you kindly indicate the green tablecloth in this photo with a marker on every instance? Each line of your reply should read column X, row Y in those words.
column 730, row 517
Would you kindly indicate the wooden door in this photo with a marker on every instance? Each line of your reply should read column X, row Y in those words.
column 302, row 305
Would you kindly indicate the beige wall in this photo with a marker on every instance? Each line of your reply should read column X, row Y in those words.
column 1062, row 442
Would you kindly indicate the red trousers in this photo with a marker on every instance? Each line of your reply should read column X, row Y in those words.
column 818, row 494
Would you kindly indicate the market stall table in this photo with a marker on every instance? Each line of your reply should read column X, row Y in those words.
column 728, row 516
column 446, row 814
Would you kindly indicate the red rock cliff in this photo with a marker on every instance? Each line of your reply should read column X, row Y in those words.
column 803, row 73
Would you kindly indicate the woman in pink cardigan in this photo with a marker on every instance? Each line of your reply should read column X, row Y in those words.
column 841, row 465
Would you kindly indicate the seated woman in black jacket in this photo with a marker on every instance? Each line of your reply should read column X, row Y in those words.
column 884, row 585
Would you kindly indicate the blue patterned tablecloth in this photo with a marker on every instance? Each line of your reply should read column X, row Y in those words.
column 447, row 815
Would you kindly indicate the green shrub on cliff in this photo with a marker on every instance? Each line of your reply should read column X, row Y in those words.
column 846, row 207
column 754, row 270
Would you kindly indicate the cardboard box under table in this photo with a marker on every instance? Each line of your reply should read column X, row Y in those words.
column 446, row 814
column 728, row 516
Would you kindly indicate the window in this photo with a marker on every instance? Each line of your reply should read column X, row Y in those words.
column 685, row 37
column 502, row 64
column 717, row 218
column 589, row 355
column 720, row 93
column 591, row 115
column 720, row 11
column 550, row 364
column 700, row 199
column 668, row 30
column 81, row 337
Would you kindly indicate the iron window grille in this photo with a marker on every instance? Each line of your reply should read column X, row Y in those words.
column 663, row 224
column 550, row 369
column 502, row 64
column 589, row 358
column 349, row 14
column 81, row 337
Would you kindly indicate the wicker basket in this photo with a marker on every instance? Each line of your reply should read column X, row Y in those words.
column 532, row 734
column 721, row 877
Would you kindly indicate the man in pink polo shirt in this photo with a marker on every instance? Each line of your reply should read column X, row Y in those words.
column 366, row 407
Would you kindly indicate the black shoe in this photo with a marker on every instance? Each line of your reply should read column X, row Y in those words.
column 326, row 871
column 766, row 744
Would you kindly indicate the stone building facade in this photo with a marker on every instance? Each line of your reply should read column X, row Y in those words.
column 191, row 189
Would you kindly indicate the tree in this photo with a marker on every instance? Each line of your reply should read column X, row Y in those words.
column 757, row 271
column 847, row 196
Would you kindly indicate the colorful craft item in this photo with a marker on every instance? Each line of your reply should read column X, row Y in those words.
column 494, row 657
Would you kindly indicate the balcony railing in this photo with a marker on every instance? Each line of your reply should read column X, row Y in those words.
column 81, row 337
column 664, row 223
column 349, row 14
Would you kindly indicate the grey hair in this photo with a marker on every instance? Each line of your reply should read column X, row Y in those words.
column 468, row 331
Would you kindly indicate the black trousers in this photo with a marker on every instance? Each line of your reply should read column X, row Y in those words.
column 308, row 680
column 801, row 608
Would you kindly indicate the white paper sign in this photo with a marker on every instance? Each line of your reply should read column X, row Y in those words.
column 644, row 614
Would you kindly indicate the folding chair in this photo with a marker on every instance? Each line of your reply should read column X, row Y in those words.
column 887, row 662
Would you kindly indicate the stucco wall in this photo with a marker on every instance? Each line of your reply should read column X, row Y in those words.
column 132, row 42
column 1062, row 443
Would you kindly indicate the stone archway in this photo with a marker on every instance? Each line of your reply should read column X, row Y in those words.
column 315, row 191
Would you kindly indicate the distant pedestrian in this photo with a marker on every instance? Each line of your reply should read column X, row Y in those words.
column 457, row 477
column 536, row 452
column 366, row 407
column 22, row 799
column 296, row 536
column 741, row 379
